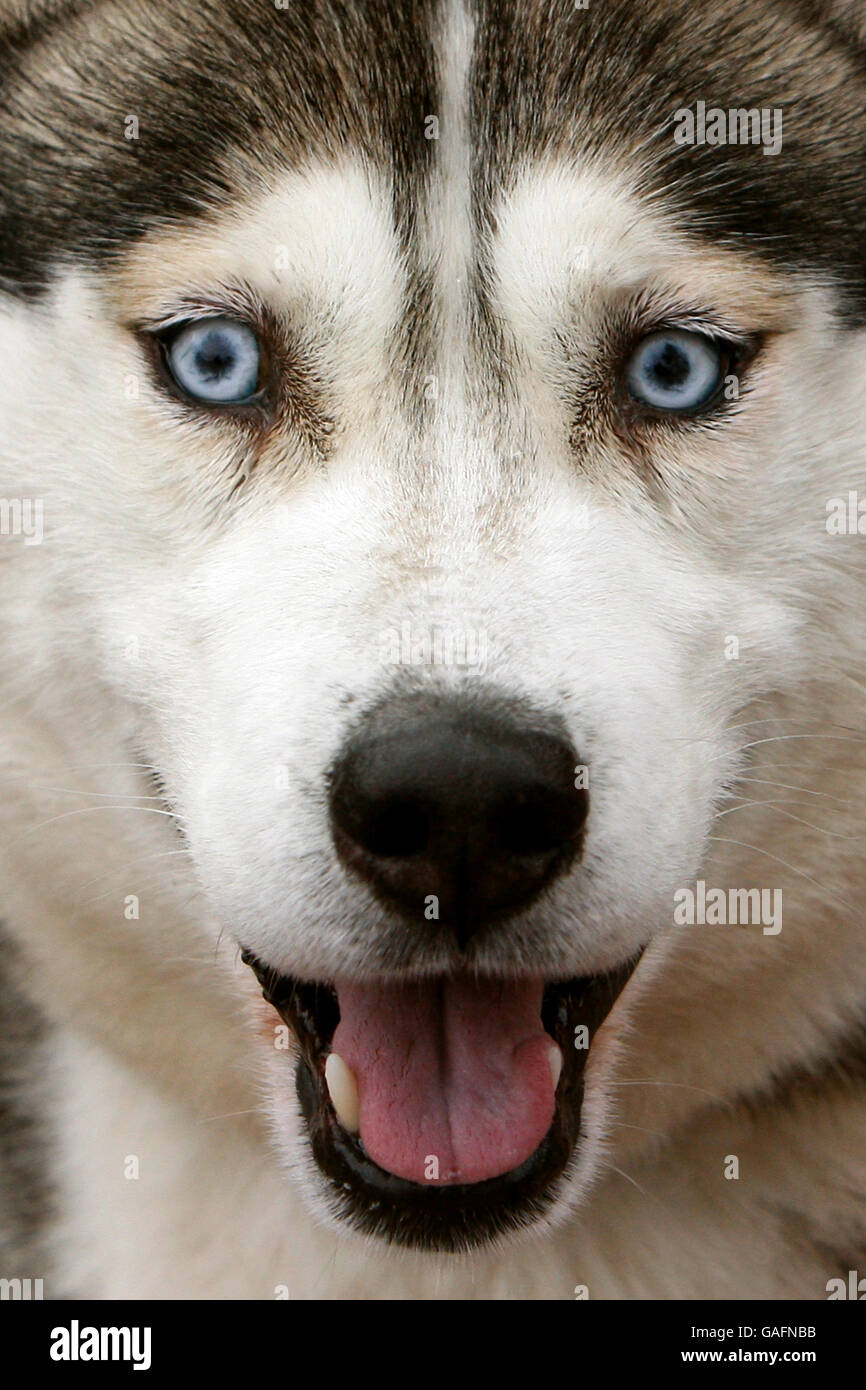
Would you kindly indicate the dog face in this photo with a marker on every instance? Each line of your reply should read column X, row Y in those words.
column 437, row 477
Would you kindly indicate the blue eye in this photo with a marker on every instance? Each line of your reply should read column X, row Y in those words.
column 215, row 360
column 676, row 371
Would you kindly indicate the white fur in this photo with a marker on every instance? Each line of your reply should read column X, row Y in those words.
column 236, row 642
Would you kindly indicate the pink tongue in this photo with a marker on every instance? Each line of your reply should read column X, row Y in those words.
column 453, row 1075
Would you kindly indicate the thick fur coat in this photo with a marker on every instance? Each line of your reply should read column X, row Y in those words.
column 451, row 219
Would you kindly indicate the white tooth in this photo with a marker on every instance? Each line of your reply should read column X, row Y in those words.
column 343, row 1090
column 554, row 1057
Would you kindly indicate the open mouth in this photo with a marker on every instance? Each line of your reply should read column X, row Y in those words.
column 442, row 1111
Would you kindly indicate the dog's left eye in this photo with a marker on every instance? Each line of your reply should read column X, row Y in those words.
column 676, row 371
column 216, row 360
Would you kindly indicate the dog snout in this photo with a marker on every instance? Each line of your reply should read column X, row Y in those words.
column 457, row 817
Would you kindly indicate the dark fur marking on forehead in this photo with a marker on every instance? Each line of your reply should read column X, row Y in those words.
column 230, row 92
column 606, row 81
column 227, row 94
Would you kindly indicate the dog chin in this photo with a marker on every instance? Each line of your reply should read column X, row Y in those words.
column 442, row 1114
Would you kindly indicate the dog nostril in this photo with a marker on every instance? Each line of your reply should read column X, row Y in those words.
column 396, row 830
column 540, row 823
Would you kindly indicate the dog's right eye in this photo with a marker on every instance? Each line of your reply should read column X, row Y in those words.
column 677, row 372
column 214, row 360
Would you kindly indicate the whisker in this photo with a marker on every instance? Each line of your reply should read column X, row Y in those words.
column 805, row 791
column 785, row 738
column 80, row 791
column 625, row 1175
column 720, row 839
column 621, row 1124
column 233, row 1114
column 680, row 1085
column 93, row 767
column 778, row 804
column 91, row 810
column 133, row 866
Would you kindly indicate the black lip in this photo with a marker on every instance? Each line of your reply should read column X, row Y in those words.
column 449, row 1218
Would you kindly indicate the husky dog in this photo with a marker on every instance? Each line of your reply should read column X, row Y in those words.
column 432, row 537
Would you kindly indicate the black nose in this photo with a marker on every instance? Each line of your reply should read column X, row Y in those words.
column 472, row 810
